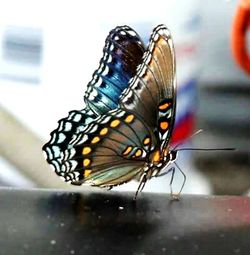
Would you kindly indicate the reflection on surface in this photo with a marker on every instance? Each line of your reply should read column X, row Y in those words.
column 101, row 223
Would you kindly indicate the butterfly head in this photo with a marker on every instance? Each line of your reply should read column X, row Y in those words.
column 159, row 159
column 170, row 155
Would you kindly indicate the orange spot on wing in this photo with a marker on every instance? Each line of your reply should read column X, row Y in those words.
column 87, row 172
column 129, row 118
column 86, row 150
column 96, row 139
column 164, row 106
column 164, row 125
column 138, row 153
column 156, row 156
column 104, row 131
column 114, row 123
column 127, row 150
column 86, row 162
column 146, row 141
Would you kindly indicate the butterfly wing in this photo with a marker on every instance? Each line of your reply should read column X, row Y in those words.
column 115, row 147
column 109, row 151
column 61, row 137
column 122, row 54
column 152, row 91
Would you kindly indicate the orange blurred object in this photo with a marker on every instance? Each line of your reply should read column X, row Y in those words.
column 241, row 24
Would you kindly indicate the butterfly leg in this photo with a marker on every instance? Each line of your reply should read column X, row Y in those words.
column 171, row 182
column 141, row 185
column 184, row 178
column 177, row 196
column 172, row 169
column 165, row 173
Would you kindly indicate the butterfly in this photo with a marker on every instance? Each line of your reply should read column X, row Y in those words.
column 124, row 131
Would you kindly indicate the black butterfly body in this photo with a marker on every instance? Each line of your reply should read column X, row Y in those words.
column 125, row 130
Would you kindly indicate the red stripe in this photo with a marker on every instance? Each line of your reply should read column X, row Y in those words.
column 183, row 129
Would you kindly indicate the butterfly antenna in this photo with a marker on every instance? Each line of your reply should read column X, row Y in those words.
column 172, row 169
column 207, row 149
column 141, row 185
column 176, row 196
column 201, row 149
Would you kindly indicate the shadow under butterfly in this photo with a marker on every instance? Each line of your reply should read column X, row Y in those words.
column 124, row 131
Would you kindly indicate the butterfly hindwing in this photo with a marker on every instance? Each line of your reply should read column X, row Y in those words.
column 110, row 151
column 62, row 135
column 122, row 54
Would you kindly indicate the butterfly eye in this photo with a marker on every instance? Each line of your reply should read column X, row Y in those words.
column 173, row 155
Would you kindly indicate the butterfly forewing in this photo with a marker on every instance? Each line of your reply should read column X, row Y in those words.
column 122, row 53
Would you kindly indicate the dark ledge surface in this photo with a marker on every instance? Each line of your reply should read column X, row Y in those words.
column 63, row 222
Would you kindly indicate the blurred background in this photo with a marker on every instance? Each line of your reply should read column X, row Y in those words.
column 48, row 52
